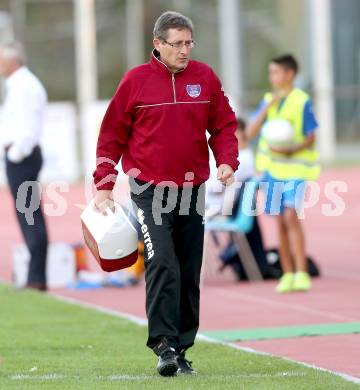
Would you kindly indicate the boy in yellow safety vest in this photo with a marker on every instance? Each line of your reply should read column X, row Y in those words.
column 287, row 168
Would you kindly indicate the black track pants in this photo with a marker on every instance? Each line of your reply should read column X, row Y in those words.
column 173, row 245
column 35, row 234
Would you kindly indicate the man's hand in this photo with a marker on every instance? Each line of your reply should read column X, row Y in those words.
column 104, row 199
column 225, row 174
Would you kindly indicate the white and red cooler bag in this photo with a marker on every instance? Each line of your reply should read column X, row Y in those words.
column 111, row 238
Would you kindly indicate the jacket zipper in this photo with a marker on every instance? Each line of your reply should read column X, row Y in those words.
column 172, row 77
column 173, row 85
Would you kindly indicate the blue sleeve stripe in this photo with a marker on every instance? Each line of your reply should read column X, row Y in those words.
column 309, row 121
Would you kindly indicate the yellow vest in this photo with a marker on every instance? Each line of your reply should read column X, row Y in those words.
column 302, row 165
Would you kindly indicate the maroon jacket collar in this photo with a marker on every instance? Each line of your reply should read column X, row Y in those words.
column 156, row 63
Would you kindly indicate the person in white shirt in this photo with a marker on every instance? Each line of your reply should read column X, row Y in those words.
column 20, row 131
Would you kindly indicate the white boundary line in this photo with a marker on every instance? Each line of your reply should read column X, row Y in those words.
column 142, row 322
column 251, row 350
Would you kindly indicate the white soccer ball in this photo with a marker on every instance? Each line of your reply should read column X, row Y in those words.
column 278, row 132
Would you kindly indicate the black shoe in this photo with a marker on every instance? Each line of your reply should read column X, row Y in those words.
column 184, row 365
column 36, row 286
column 168, row 363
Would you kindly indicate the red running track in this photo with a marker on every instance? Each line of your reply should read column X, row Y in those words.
column 333, row 241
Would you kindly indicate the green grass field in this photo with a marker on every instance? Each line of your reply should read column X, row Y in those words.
column 48, row 344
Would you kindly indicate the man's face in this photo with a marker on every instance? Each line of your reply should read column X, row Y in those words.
column 175, row 58
column 279, row 76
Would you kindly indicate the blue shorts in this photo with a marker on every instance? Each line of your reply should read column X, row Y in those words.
column 281, row 194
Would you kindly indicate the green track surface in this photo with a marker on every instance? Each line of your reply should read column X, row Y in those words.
column 285, row 332
column 48, row 344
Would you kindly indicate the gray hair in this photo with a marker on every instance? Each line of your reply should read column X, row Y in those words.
column 13, row 50
column 171, row 19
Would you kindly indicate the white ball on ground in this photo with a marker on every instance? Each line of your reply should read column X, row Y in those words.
column 278, row 132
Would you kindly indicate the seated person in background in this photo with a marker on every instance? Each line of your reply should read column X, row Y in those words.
column 219, row 205
column 215, row 191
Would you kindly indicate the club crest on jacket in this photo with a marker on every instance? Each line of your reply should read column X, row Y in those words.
column 193, row 90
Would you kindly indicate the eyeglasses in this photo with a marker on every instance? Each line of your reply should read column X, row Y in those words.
column 181, row 44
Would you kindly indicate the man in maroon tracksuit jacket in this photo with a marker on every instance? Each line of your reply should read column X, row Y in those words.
column 156, row 123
